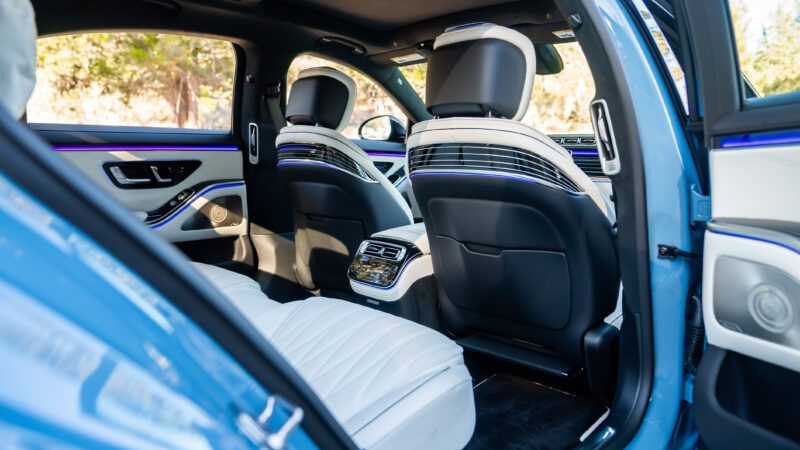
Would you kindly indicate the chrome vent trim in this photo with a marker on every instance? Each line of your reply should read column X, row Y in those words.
column 321, row 155
column 383, row 250
column 489, row 159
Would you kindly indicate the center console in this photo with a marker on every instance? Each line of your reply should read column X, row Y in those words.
column 394, row 272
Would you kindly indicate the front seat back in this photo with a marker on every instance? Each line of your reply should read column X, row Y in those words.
column 338, row 196
column 522, row 248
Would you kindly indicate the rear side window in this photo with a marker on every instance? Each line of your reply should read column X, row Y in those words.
column 134, row 79
column 768, row 42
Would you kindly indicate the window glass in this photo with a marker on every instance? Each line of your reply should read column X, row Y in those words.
column 560, row 102
column 371, row 100
column 415, row 74
column 134, row 79
column 768, row 42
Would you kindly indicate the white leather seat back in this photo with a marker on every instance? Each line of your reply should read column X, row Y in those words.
column 456, row 92
column 17, row 55
column 291, row 150
column 525, row 146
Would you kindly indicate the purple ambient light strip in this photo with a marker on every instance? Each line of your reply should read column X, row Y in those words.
column 761, row 139
column 387, row 154
column 192, row 200
column 145, row 148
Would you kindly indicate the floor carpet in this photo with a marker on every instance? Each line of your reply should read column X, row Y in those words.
column 514, row 413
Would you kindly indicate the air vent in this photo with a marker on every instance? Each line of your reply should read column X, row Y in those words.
column 589, row 164
column 587, row 141
column 391, row 253
column 382, row 250
column 558, row 140
column 572, row 141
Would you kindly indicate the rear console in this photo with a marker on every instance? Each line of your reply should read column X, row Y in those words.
column 393, row 272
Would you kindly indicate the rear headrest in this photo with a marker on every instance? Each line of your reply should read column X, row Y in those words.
column 480, row 70
column 321, row 96
column 17, row 55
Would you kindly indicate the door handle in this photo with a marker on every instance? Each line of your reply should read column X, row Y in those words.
column 122, row 179
column 154, row 169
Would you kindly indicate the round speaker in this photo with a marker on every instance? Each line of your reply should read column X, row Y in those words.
column 770, row 308
column 218, row 214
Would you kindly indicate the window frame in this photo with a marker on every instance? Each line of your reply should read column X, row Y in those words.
column 236, row 94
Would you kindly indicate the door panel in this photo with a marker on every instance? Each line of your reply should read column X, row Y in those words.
column 751, row 284
column 219, row 175
column 745, row 389
column 204, row 210
column 755, row 182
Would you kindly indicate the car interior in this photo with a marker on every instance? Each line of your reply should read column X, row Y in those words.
column 454, row 280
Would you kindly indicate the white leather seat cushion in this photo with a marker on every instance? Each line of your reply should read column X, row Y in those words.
column 391, row 383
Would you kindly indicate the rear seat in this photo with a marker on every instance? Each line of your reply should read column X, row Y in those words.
column 390, row 382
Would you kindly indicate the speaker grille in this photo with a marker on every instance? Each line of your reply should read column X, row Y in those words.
column 321, row 155
column 493, row 159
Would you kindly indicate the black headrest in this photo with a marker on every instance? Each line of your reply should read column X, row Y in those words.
column 480, row 70
column 321, row 96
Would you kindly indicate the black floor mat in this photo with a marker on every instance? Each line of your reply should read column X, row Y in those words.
column 514, row 413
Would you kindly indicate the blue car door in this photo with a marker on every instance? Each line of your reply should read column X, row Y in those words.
column 94, row 357
column 745, row 53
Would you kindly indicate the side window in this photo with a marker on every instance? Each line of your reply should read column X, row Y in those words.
column 560, row 102
column 134, row 79
column 371, row 99
column 768, row 42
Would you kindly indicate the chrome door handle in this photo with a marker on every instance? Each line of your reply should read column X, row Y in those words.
column 122, row 179
column 154, row 169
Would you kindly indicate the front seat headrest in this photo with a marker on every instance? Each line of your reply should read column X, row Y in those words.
column 321, row 96
column 17, row 55
column 480, row 70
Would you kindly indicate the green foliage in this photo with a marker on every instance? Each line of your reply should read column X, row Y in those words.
column 771, row 62
column 192, row 77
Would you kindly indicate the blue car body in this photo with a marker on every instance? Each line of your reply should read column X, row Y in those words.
column 93, row 357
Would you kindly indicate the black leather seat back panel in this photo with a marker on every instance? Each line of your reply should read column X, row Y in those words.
column 333, row 212
column 519, row 259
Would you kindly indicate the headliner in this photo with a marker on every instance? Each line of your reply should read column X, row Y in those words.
column 382, row 27
column 390, row 14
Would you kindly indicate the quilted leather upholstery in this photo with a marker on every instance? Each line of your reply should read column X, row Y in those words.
column 391, row 383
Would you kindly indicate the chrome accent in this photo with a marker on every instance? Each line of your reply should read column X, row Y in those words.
column 252, row 142
column 324, row 155
column 258, row 431
column 490, row 159
column 382, row 250
column 607, row 148
column 154, row 169
column 122, row 179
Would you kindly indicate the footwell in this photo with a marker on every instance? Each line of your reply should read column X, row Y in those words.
column 514, row 413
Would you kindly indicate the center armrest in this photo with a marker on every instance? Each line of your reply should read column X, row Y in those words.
column 414, row 234
column 387, row 264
